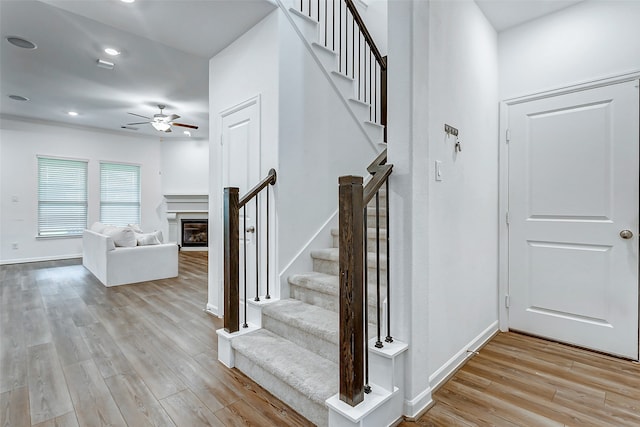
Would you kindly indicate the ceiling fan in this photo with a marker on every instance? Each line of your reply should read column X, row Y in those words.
column 162, row 122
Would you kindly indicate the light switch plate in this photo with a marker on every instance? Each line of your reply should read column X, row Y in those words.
column 438, row 170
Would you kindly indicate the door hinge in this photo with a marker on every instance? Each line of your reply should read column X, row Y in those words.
column 508, row 135
column 507, row 217
column 507, row 301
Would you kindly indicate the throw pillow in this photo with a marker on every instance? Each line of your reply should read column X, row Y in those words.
column 145, row 239
column 121, row 236
column 135, row 227
column 158, row 235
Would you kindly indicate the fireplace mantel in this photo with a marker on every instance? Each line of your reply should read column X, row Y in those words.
column 185, row 206
column 187, row 202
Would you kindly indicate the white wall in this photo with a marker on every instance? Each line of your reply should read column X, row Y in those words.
column 592, row 40
column 22, row 141
column 443, row 68
column 463, row 207
column 246, row 68
column 319, row 141
column 185, row 166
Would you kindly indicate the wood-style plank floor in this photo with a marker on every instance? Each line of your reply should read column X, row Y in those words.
column 518, row 380
column 74, row 353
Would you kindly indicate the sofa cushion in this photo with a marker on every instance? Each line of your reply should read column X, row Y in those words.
column 145, row 239
column 122, row 236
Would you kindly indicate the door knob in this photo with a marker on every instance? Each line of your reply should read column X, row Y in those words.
column 626, row 234
column 252, row 229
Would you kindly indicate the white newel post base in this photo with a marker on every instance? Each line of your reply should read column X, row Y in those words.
column 384, row 405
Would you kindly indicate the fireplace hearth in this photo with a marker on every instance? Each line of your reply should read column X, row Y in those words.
column 195, row 233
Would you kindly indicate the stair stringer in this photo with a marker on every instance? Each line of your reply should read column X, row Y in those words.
column 363, row 125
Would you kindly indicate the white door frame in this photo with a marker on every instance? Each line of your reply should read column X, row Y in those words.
column 503, row 167
column 256, row 100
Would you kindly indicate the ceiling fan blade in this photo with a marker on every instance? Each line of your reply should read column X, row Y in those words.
column 172, row 117
column 144, row 117
column 138, row 123
column 184, row 125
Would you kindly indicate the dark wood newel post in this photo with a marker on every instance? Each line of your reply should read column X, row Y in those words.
column 352, row 340
column 231, row 267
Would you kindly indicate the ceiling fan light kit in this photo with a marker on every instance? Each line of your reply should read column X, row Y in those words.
column 161, row 126
column 162, row 122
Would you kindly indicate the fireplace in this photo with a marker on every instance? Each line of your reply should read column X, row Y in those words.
column 195, row 233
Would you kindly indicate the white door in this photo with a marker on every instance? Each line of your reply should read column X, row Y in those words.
column 241, row 168
column 573, row 190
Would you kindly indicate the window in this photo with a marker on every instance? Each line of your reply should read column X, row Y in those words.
column 119, row 194
column 62, row 197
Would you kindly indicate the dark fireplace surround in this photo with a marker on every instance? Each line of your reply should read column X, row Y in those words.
column 195, row 233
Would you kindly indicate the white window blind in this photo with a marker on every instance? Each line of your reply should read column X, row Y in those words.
column 62, row 197
column 119, row 194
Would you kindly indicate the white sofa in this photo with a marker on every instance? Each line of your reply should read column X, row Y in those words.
column 114, row 265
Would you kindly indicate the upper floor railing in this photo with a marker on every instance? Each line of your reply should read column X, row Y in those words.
column 342, row 30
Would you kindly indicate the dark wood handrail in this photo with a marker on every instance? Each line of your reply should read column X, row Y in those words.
column 377, row 162
column 380, row 171
column 231, row 212
column 270, row 179
column 376, row 183
column 363, row 29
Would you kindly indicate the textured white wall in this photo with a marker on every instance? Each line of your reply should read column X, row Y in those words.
column 592, row 40
column 21, row 142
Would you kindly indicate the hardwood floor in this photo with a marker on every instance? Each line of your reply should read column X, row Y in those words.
column 74, row 353
column 517, row 380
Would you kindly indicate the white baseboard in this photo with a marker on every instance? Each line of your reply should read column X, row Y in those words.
column 39, row 259
column 415, row 407
column 452, row 365
column 212, row 309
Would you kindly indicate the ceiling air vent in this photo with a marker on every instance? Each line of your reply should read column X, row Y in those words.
column 105, row 64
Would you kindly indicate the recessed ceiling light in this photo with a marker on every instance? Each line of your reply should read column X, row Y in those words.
column 127, row 1
column 20, row 42
column 72, row 113
column 186, row 132
column 111, row 51
column 18, row 98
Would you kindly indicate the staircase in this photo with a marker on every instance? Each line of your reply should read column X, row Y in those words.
column 291, row 346
column 295, row 354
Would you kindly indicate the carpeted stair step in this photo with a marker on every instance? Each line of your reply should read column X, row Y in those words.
column 294, row 374
column 371, row 215
column 322, row 290
column 327, row 261
column 371, row 239
column 306, row 325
